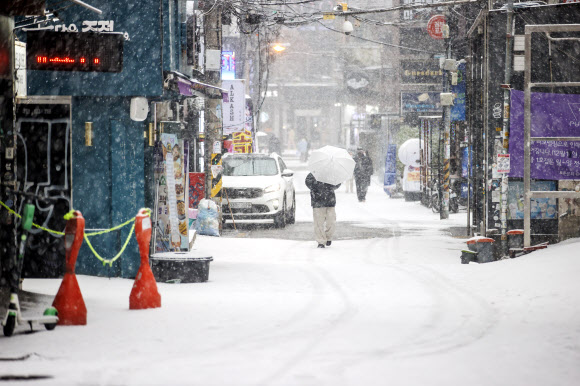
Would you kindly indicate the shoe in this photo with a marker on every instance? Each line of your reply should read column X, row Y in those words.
column 328, row 243
column 320, row 245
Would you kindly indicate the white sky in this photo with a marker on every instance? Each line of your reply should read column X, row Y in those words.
column 385, row 311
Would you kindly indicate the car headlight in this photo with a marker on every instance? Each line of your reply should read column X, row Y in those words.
column 272, row 188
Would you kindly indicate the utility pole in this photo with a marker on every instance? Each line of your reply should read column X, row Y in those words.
column 213, row 109
column 7, row 141
column 506, row 123
column 444, row 213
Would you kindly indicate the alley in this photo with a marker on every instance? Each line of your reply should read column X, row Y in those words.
column 398, row 309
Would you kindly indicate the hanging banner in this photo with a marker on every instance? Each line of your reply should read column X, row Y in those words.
column 553, row 115
column 458, row 90
column 234, row 106
column 390, row 179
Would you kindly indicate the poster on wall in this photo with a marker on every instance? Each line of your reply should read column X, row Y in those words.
column 541, row 208
column 172, row 232
column 554, row 115
column 196, row 188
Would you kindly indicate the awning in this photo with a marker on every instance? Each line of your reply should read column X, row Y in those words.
column 191, row 87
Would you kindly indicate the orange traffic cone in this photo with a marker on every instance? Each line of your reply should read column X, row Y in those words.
column 69, row 300
column 144, row 293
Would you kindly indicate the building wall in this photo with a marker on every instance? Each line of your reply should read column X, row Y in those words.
column 141, row 75
column 108, row 180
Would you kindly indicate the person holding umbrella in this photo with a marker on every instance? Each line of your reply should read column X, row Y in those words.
column 329, row 166
column 323, row 201
column 363, row 171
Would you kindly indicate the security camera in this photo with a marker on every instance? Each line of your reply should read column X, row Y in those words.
column 347, row 27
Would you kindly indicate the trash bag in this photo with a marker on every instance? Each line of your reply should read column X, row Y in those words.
column 207, row 222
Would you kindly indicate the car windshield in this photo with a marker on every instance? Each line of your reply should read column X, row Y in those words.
column 249, row 167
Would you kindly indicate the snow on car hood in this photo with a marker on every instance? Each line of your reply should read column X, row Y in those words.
column 249, row 181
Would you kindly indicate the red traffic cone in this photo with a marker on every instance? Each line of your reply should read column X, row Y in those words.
column 144, row 293
column 69, row 300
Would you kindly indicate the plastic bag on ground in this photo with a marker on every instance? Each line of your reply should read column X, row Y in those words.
column 207, row 222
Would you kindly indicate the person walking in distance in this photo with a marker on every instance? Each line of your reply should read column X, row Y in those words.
column 363, row 170
column 323, row 201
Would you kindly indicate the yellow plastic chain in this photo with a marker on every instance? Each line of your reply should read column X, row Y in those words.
column 33, row 224
column 86, row 236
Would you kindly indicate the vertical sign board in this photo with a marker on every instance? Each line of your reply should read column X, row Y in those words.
column 234, row 106
column 390, row 182
column 172, row 208
column 228, row 65
column 20, row 68
column 459, row 90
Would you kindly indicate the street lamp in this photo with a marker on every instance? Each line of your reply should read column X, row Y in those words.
column 278, row 48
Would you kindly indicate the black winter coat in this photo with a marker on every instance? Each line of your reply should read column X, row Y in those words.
column 321, row 194
column 363, row 169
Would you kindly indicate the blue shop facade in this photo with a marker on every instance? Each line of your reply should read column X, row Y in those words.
column 84, row 144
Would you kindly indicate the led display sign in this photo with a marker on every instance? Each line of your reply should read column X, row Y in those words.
column 228, row 65
column 74, row 51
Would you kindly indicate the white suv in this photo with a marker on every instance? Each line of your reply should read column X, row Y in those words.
column 258, row 187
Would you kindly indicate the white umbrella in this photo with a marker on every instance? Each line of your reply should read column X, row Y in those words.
column 331, row 164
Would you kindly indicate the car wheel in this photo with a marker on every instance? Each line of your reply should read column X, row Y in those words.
column 292, row 213
column 280, row 219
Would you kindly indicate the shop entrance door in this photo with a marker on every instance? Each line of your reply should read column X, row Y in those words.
column 43, row 166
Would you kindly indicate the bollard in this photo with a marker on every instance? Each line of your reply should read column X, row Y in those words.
column 484, row 248
column 468, row 256
column 144, row 293
column 515, row 238
column 69, row 300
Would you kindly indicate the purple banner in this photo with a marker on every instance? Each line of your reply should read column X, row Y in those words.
column 553, row 115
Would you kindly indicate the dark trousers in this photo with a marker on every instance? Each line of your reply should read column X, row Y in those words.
column 361, row 189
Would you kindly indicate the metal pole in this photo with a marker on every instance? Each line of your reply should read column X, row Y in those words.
column 444, row 214
column 527, row 135
column 506, row 124
column 213, row 107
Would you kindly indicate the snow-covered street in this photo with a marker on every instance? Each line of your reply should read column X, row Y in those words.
column 392, row 310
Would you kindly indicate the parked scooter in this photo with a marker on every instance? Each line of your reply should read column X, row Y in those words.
column 435, row 202
column 14, row 315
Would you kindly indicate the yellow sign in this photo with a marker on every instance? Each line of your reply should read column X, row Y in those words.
column 328, row 16
column 413, row 176
column 242, row 142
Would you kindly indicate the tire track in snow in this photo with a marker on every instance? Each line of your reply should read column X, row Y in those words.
column 445, row 329
column 343, row 312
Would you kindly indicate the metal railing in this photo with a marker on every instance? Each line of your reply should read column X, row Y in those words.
column 528, row 139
